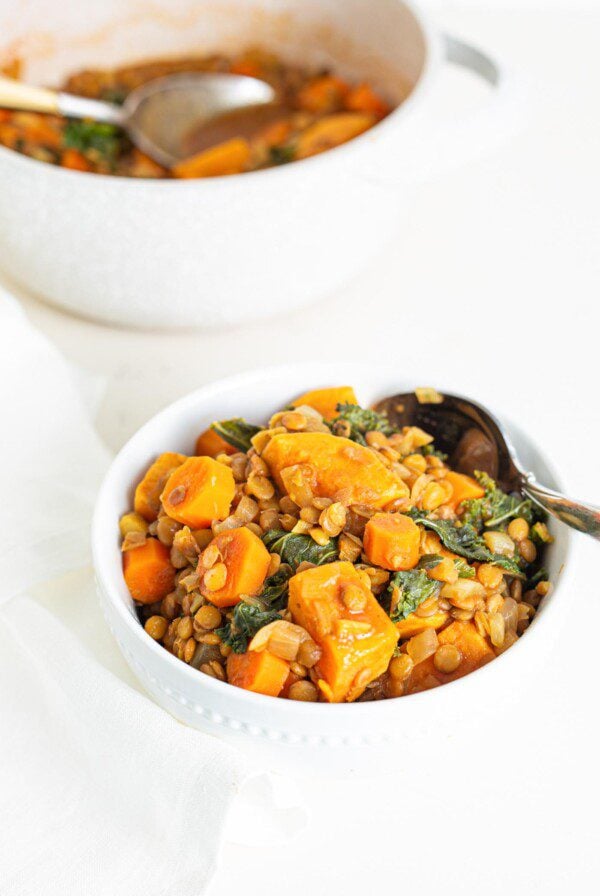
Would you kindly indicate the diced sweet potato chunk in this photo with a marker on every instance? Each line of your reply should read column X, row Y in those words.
column 246, row 562
column 323, row 94
column 391, row 540
column 356, row 637
column 261, row 672
column 464, row 488
column 331, row 131
column 343, row 470
column 209, row 444
column 325, row 401
column 475, row 650
column 148, row 571
column 230, row 157
column 414, row 625
column 148, row 492
column 363, row 98
column 199, row 491
column 75, row 160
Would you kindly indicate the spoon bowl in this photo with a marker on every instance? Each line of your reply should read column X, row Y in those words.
column 159, row 116
column 474, row 439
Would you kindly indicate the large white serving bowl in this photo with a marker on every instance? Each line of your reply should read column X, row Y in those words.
column 212, row 252
column 306, row 738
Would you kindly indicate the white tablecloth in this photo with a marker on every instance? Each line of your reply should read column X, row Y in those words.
column 505, row 249
column 101, row 792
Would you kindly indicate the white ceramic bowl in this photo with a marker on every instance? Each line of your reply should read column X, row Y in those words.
column 220, row 251
column 303, row 737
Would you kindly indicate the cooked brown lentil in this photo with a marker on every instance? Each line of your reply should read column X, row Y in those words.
column 208, row 617
column 303, row 690
column 447, row 658
column 156, row 626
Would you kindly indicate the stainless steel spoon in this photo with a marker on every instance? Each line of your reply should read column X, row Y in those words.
column 474, row 440
column 158, row 115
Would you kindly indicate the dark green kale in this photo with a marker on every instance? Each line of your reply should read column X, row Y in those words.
column 414, row 587
column 295, row 549
column 95, row 138
column 464, row 570
column 236, row 432
column 430, row 561
column 245, row 621
column 465, row 541
column 280, row 155
column 275, row 589
column 353, row 422
column 540, row 576
column 248, row 618
column 496, row 507
column 539, row 534
column 430, row 451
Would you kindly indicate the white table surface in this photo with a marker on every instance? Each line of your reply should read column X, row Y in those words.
column 492, row 282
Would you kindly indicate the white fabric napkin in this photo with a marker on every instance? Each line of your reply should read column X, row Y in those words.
column 102, row 793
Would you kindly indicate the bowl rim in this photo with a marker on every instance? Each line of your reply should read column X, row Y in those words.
column 402, row 112
column 112, row 585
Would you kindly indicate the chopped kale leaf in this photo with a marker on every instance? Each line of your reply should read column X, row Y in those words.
column 465, row 541
column 94, row 137
column 464, row 570
column 540, row 576
column 430, row 451
column 236, row 432
column 280, row 155
column 295, row 549
column 430, row 561
column 246, row 620
column 407, row 590
column 496, row 508
column 353, row 422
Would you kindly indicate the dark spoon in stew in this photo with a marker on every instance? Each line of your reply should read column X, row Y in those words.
column 474, row 439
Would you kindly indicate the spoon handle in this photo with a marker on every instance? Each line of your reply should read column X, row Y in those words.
column 27, row 97
column 583, row 517
column 16, row 95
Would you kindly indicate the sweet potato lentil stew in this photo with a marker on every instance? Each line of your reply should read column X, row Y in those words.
column 327, row 556
column 314, row 111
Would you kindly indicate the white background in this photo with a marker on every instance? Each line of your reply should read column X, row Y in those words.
column 492, row 281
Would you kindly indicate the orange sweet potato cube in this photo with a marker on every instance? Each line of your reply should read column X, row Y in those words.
column 199, row 491
column 475, row 649
column 464, row 488
column 325, row 401
column 332, row 130
column 147, row 494
column 342, row 470
column 414, row 625
column 356, row 636
column 246, row 560
column 148, row 572
column 392, row 541
column 260, row 672
column 209, row 444
column 230, row 157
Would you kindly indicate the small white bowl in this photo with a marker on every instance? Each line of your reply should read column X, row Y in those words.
column 282, row 734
